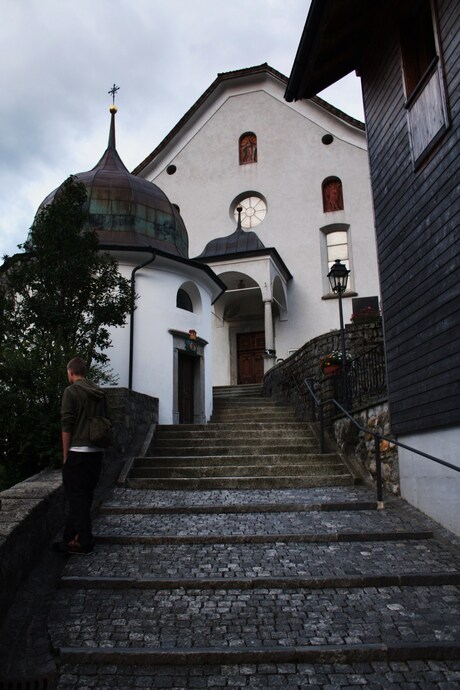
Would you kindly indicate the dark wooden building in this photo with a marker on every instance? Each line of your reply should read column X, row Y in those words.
column 407, row 53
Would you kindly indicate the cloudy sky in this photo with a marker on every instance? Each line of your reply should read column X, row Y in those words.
column 59, row 58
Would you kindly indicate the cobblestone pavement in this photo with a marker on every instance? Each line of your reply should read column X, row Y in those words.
column 251, row 589
column 261, row 617
column 180, row 576
column 412, row 675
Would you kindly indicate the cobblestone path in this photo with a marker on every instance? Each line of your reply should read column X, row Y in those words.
column 304, row 588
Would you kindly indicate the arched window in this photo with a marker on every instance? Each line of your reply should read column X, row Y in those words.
column 183, row 300
column 248, row 148
column 332, row 195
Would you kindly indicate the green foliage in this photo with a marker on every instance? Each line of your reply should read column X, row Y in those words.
column 58, row 299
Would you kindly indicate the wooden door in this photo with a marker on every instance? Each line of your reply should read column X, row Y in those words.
column 186, row 388
column 250, row 352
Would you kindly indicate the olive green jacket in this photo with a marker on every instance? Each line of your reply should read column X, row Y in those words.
column 80, row 401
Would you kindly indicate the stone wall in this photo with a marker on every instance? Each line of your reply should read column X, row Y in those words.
column 132, row 415
column 32, row 512
column 305, row 362
column 285, row 380
column 359, row 447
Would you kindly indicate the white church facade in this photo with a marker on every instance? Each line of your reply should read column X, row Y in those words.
column 227, row 232
column 299, row 172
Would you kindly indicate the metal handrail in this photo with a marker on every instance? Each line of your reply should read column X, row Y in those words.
column 377, row 438
column 319, row 405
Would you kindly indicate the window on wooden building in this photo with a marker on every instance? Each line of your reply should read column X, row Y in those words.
column 332, row 194
column 423, row 78
column 248, row 148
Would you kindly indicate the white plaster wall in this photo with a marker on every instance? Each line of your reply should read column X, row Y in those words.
column 221, row 353
column 292, row 163
column 432, row 488
column 156, row 313
column 118, row 352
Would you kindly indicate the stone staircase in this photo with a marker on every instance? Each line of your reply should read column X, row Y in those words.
column 262, row 588
column 250, row 443
column 271, row 588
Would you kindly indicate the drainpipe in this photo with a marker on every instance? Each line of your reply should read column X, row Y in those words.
column 131, row 321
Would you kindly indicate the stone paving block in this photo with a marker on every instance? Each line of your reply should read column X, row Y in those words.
column 122, row 496
column 222, row 618
column 253, row 523
column 263, row 676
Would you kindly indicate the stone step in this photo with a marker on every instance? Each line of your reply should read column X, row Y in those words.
column 239, row 391
column 194, row 618
column 281, row 526
column 232, row 509
column 247, row 402
column 231, row 427
column 236, row 459
column 191, row 448
column 243, row 416
column 190, row 439
column 253, row 411
column 305, row 460
column 197, row 470
column 242, row 483
column 427, row 666
column 317, row 561
column 123, row 583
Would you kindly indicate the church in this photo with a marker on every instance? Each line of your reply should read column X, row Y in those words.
column 227, row 231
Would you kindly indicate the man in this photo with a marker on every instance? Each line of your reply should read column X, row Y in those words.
column 82, row 461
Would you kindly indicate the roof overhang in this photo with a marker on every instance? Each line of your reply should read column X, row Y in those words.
column 331, row 45
column 192, row 269
column 256, row 253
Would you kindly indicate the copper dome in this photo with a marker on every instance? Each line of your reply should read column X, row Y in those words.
column 128, row 210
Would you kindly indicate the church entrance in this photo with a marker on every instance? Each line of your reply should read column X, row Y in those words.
column 250, row 356
column 186, row 378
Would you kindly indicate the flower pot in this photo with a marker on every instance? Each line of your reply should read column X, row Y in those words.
column 331, row 369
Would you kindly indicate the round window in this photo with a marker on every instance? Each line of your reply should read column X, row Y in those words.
column 254, row 210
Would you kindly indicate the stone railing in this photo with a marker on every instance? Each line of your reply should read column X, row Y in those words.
column 32, row 512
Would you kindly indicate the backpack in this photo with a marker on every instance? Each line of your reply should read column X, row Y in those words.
column 100, row 431
column 100, row 427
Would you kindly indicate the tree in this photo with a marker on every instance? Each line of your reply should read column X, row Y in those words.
column 58, row 299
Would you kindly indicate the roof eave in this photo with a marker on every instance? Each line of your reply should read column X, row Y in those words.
column 254, row 253
column 330, row 45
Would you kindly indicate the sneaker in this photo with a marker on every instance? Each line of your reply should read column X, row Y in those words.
column 60, row 546
column 74, row 547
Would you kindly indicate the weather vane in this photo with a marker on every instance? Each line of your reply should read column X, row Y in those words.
column 113, row 91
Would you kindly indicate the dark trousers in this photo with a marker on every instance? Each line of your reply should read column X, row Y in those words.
column 80, row 475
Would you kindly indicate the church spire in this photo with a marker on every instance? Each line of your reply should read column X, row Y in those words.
column 113, row 110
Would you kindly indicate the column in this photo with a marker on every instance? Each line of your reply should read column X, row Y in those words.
column 269, row 360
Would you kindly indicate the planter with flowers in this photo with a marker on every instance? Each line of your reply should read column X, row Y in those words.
column 331, row 363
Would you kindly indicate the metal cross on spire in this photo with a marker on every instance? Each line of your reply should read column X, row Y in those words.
column 113, row 91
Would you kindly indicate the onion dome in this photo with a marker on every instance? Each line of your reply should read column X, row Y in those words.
column 238, row 242
column 126, row 210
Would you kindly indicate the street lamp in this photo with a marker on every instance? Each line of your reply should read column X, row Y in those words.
column 338, row 278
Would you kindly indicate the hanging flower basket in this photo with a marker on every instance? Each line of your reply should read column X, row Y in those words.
column 331, row 363
column 331, row 369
